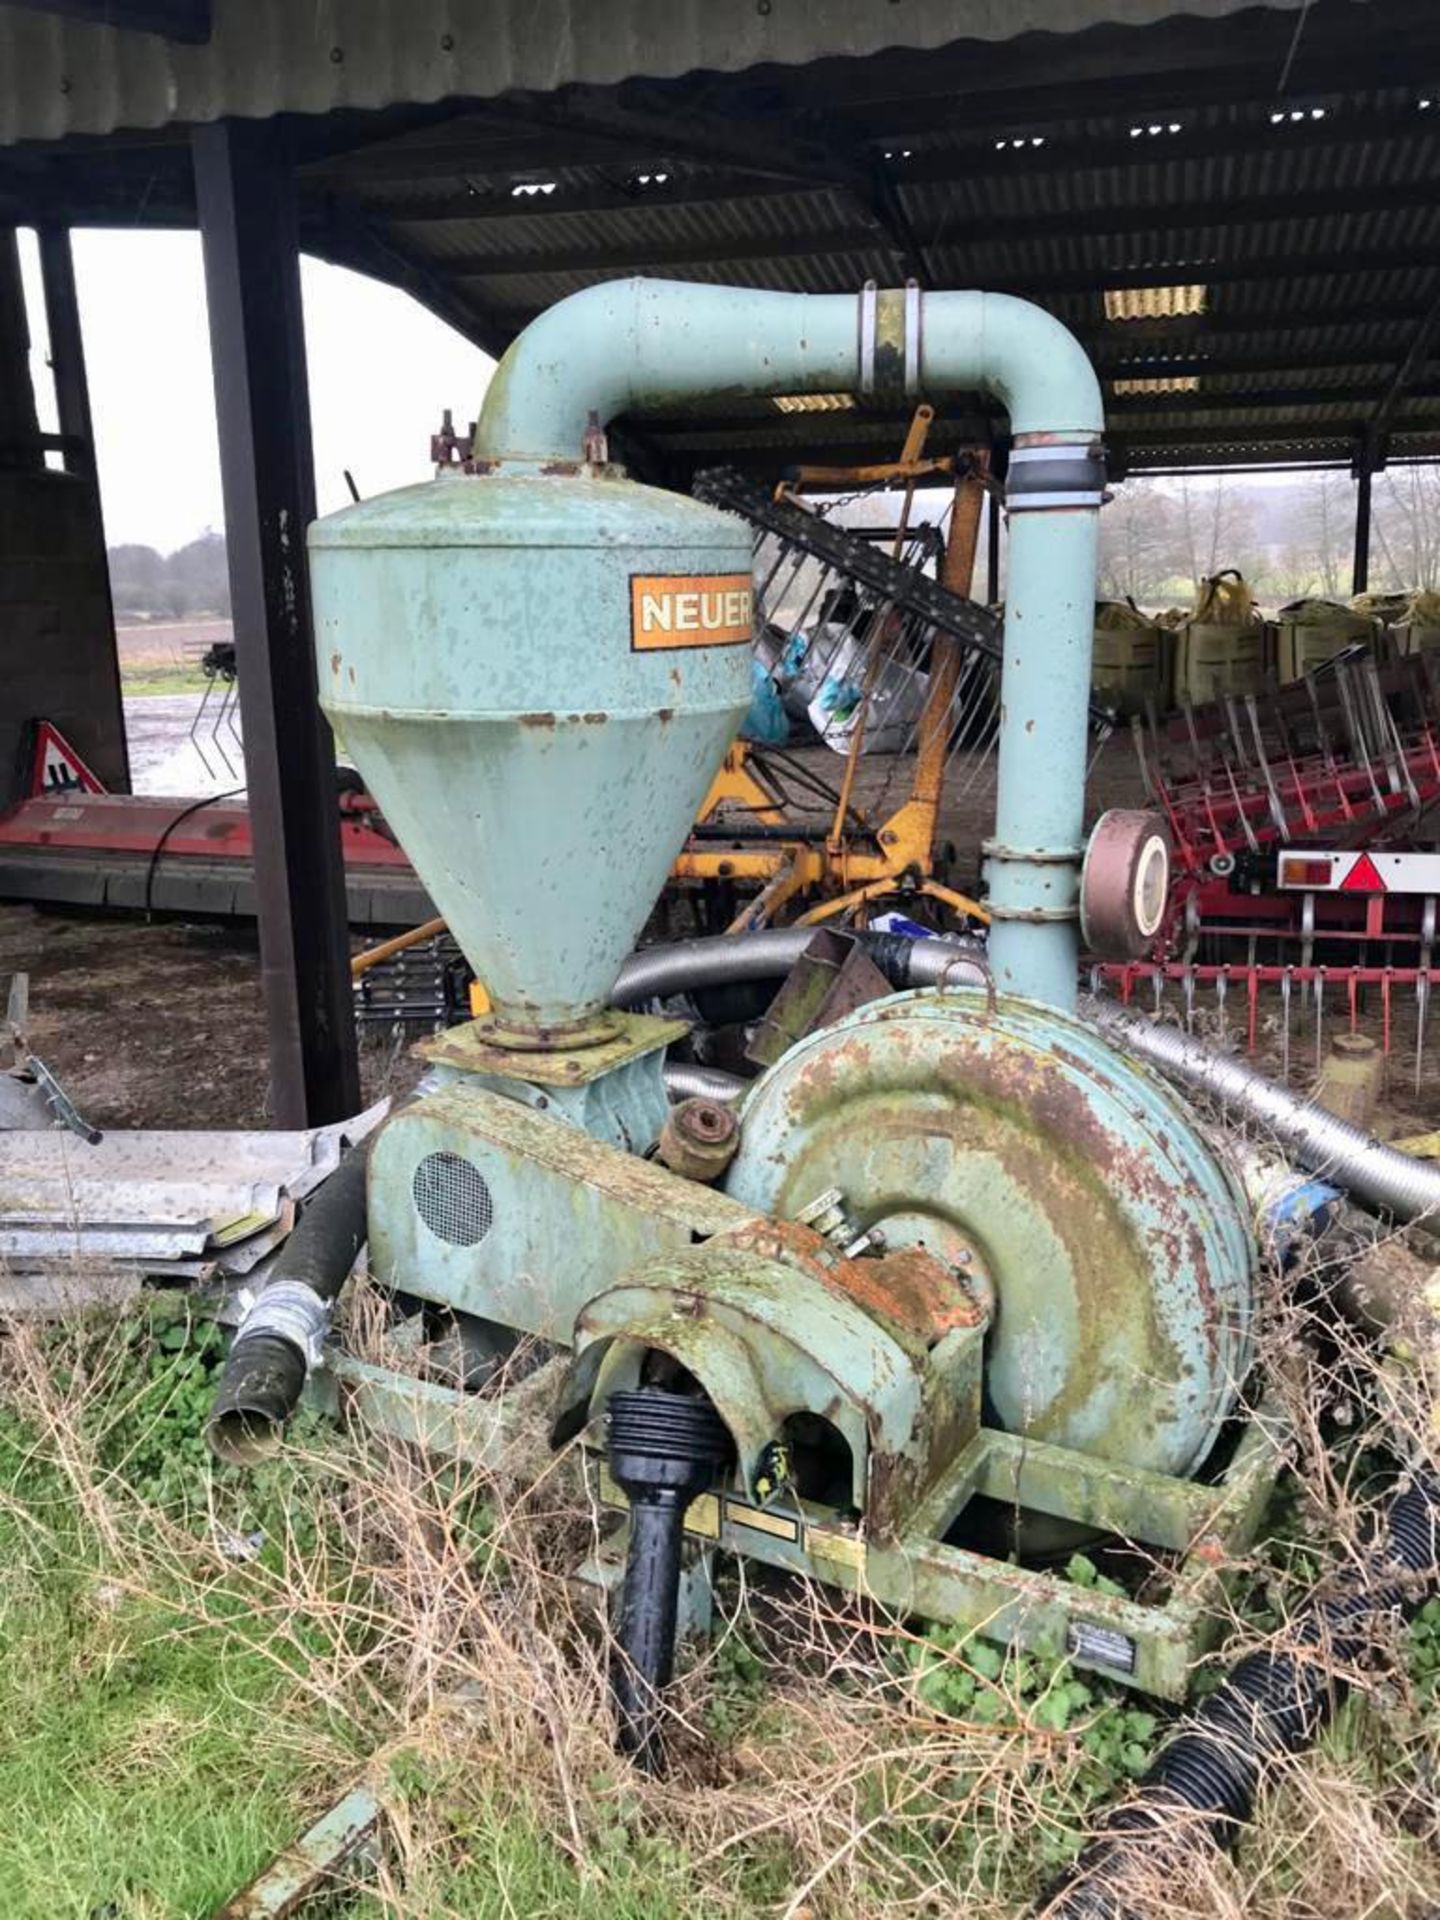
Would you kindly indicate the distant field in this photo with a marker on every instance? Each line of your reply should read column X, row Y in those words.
column 170, row 646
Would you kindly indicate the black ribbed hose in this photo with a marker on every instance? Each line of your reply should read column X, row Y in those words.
column 664, row 1449
column 1202, row 1785
column 264, row 1375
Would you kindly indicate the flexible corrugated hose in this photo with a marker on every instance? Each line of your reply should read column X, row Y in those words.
column 684, row 966
column 1396, row 1183
column 1201, row 1787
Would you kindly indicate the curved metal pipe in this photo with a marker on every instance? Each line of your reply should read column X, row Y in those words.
column 683, row 966
column 1365, row 1167
column 630, row 344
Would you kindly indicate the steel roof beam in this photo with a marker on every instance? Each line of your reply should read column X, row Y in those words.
column 348, row 238
column 1340, row 128
column 999, row 229
column 1399, row 387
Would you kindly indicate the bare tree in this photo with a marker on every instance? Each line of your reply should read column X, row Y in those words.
column 1405, row 526
column 1140, row 550
column 1216, row 527
column 1328, row 518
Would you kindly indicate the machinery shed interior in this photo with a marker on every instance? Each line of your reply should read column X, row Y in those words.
column 801, row 1168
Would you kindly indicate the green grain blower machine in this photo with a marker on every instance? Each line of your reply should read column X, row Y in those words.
column 954, row 1283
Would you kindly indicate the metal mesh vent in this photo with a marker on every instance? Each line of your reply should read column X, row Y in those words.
column 452, row 1198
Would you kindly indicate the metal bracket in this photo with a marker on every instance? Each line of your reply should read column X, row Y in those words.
column 867, row 309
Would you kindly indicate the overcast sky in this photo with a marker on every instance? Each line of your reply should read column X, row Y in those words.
column 382, row 369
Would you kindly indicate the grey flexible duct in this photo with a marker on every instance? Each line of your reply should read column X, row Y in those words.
column 685, row 1081
column 655, row 973
column 1381, row 1176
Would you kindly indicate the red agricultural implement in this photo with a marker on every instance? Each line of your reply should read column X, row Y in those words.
column 1299, row 851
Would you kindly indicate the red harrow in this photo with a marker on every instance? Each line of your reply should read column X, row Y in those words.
column 1296, row 820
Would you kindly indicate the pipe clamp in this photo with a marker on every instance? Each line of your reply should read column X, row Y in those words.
column 1031, row 856
column 1045, row 477
column 1034, row 916
column 292, row 1311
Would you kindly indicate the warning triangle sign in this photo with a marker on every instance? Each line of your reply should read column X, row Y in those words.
column 56, row 768
column 1363, row 877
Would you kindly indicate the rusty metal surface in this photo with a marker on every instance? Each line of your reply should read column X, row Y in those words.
column 469, row 1048
column 831, row 978
column 699, row 1139
column 924, row 1294
column 775, row 1324
column 312, row 1864
column 768, row 1338
column 1118, row 1248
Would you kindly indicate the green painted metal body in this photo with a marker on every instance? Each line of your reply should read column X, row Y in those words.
column 614, row 1090
column 477, row 654
column 630, row 344
column 565, row 1215
column 474, row 646
column 1117, row 1246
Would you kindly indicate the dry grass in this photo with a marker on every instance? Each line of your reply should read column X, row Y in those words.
column 826, row 1760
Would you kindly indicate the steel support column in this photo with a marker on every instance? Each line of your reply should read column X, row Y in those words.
column 1360, row 567
column 77, row 433
column 20, row 447
column 245, row 196
column 67, row 351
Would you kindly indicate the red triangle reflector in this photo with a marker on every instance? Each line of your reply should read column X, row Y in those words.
column 1363, row 877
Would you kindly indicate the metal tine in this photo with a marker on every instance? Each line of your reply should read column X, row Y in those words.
column 1234, row 729
column 1138, row 728
column 1222, row 988
column 1188, row 991
column 783, row 551
column 232, row 716
column 1241, row 815
column 1277, row 807
column 1200, row 757
column 1356, row 728
column 218, row 723
column 1386, row 739
column 1285, row 998
column 1422, row 1009
column 1158, row 979
column 1319, row 1019
column 195, row 726
column 1322, row 732
column 1402, row 779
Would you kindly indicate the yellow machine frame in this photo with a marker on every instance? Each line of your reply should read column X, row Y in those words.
column 835, row 877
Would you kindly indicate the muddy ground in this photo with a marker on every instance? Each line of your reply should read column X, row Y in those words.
column 158, row 1024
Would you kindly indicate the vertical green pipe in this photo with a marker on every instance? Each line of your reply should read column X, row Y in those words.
column 1040, row 782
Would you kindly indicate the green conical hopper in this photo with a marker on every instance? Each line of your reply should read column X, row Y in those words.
column 538, row 676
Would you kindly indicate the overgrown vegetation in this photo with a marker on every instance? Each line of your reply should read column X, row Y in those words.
column 196, row 1662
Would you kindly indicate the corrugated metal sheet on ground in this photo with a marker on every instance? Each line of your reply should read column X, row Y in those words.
column 162, row 1196
column 60, row 76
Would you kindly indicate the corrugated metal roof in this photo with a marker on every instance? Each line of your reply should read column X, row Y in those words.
column 60, row 76
column 1310, row 218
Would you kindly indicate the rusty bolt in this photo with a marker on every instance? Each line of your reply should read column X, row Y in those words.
column 699, row 1139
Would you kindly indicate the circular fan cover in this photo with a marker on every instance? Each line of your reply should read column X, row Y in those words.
column 1116, row 1243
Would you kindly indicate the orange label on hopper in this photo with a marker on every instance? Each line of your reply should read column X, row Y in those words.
column 690, row 610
